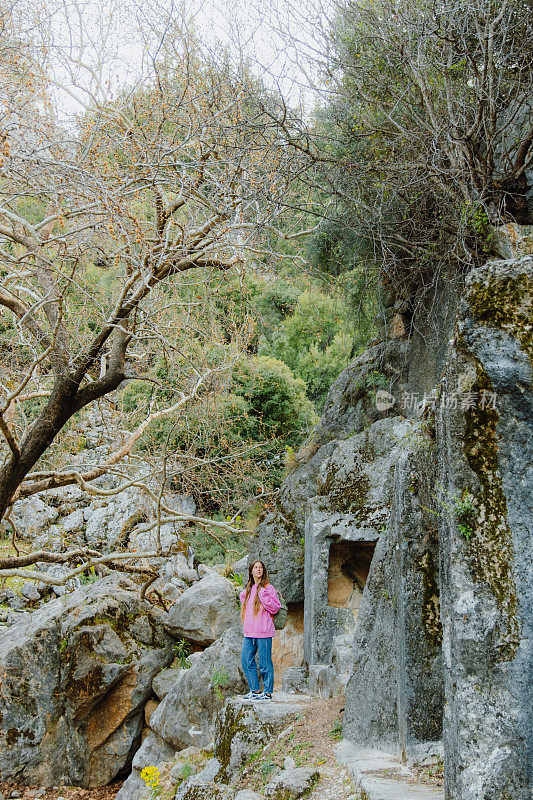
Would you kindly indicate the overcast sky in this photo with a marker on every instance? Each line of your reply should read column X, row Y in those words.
column 110, row 42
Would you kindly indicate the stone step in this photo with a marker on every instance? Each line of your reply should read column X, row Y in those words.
column 244, row 727
column 379, row 776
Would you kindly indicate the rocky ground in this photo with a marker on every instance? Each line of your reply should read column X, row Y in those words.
column 17, row 792
column 311, row 743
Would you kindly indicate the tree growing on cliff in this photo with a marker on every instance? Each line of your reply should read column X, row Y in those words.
column 173, row 179
column 424, row 129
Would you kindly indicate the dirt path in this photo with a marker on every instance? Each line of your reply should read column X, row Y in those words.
column 310, row 743
column 321, row 728
column 14, row 790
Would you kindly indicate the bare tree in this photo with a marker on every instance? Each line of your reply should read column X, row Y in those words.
column 424, row 124
column 175, row 175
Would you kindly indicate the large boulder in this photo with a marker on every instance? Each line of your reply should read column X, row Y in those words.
column 204, row 611
column 75, row 677
column 164, row 681
column 179, row 567
column 32, row 515
column 203, row 784
column 245, row 726
column 291, row 784
column 186, row 716
column 485, row 449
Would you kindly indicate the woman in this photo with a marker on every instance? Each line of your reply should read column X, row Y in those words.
column 259, row 601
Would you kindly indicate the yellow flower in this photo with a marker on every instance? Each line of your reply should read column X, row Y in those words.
column 150, row 776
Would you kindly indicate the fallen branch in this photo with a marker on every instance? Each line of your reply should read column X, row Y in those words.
column 60, row 558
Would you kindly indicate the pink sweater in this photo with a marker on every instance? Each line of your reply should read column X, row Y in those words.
column 261, row 625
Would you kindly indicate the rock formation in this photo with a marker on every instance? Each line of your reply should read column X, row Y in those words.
column 76, row 675
column 244, row 728
column 485, row 474
column 401, row 540
column 187, row 714
column 203, row 612
column 440, row 613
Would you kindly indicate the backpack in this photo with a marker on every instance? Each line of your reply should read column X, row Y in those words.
column 280, row 617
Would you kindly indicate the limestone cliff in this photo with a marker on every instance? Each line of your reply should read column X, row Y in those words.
column 408, row 526
column 485, row 472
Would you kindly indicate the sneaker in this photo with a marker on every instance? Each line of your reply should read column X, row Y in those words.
column 265, row 696
column 251, row 696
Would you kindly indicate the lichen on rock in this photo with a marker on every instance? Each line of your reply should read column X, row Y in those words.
column 490, row 548
column 505, row 301
column 431, row 620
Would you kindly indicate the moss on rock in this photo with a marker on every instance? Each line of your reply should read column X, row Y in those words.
column 232, row 724
column 349, row 495
column 491, row 547
column 506, row 303
column 431, row 621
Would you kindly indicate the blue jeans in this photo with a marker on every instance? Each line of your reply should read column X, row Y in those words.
column 263, row 648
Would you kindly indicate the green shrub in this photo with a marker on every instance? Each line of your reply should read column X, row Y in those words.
column 182, row 650
column 276, row 399
column 316, row 341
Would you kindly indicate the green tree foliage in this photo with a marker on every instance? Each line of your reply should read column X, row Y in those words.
column 276, row 400
column 315, row 341
column 231, row 447
column 275, row 301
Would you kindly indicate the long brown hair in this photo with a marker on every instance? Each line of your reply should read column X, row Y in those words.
column 262, row 583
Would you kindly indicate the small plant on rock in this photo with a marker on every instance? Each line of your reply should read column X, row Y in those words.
column 465, row 515
column 459, row 508
column 182, row 651
column 152, row 778
column 220, row 680
column 236, row 579
column 89, row 576
column 290, row 458
column 185, row 772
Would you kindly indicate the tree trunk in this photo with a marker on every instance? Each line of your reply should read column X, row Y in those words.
column 60, row 407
